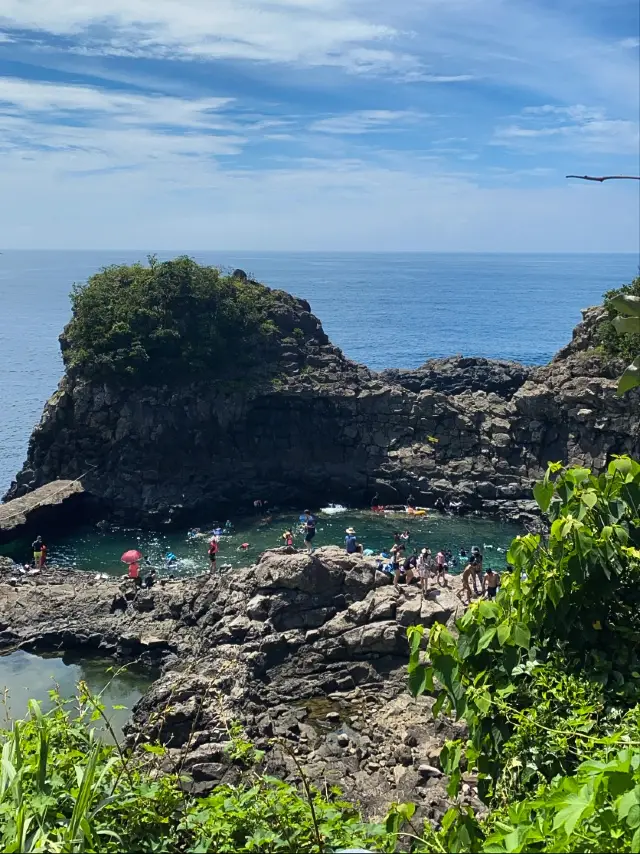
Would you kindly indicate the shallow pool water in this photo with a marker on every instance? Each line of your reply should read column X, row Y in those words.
column 100, row 551
column 25, row 677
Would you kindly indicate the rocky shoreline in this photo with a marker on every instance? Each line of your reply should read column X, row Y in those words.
column 313, row 427
column 308, row 652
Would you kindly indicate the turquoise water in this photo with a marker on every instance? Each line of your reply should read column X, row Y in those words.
column 25, row 677
column 383, row 309
column 98, row 551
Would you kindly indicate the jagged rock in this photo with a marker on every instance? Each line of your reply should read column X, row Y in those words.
column 336, row 695
column 471, row 430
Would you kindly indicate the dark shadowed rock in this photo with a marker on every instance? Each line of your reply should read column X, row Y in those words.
column 458, row 374
column 315, row 427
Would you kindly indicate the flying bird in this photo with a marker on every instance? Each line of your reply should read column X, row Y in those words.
column 606, row 178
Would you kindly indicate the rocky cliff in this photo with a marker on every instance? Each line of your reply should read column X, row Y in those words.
column 312, row 426
column 308, row 652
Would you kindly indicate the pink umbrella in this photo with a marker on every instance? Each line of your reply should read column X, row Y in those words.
column 132, row 556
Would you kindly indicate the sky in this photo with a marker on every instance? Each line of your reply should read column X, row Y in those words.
column 319, row 125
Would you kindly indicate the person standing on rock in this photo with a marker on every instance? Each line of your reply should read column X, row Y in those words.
column 476, row 562
column 491, row 582
column 309, row 530
column 36, row 547
column 441, row 567
column 375, row 501
column 409, row 568
column 213, row 553
column 467, row 575
column 396, row 566
column 424, row 568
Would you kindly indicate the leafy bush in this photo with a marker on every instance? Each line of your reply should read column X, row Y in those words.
column 61, row 790
column 547, row 678
column 619, row 334
column 167, row 320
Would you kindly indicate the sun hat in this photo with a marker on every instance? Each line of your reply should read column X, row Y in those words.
column 350, row 531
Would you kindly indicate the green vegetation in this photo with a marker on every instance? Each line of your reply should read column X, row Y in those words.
column 619, row 335
column 61, row 790
column 169, row 320
column 547, row 678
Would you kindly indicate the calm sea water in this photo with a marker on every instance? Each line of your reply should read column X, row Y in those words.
column 385, row 310
column 25, row 677
column 96, row 551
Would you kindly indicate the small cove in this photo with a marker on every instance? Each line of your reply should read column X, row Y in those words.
column 97, row 550
column 24, row 677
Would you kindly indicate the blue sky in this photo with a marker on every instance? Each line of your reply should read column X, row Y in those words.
column 439, row 125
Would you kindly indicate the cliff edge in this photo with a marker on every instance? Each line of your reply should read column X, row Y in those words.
column 301, row 424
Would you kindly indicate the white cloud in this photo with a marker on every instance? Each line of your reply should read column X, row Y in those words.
column 524, row 44
column 309, row 32
column 29, row 96
column 573, row 128
column 365, row 121
column 318, row 206
column 629, row 44
column 79, row 128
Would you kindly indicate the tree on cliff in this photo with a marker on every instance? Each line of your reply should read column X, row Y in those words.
column 620, row 334
column 167, row 320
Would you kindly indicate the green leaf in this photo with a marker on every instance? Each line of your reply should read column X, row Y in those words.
column 439, row 703
column 627, row 325
column 554, row 590
column 420, row 680
column 489, row 610
column 483, row 702
column 628, row 800
column 573, row 811
column 453, row 787
column 450, row 756
column 635, row 842
column 543, row 493
column 626, row 304
column 630, row 379
column 522, row 635
column 415, row 634
column 633, row 816
column 589, row 498
column 504, row 632
column 486, row 639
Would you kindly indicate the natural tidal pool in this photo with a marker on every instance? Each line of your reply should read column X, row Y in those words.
column 96, row 550
column 25, row 677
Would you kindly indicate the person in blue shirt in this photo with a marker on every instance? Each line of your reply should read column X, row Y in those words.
column 309, row 529
column 351, row 543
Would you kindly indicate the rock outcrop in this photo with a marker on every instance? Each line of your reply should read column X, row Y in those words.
column 314, row 427
column 308, row 652
column 58, row 502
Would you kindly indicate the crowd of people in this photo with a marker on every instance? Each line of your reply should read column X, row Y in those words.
column 418, row 566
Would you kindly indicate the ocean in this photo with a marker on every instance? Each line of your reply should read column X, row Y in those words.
column 384, row 310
